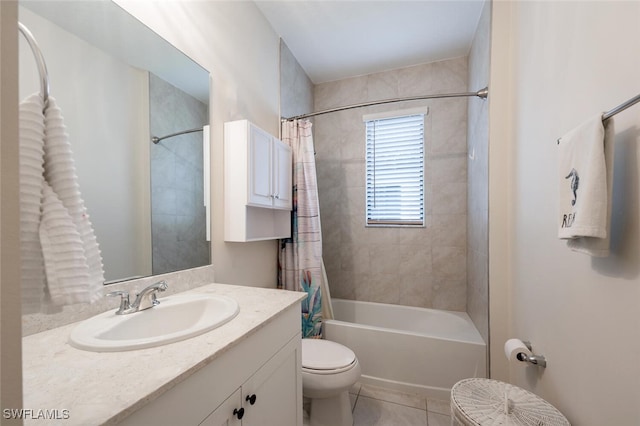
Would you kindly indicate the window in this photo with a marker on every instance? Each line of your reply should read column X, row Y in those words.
column 395, row 170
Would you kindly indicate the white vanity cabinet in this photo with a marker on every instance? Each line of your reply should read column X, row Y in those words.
column 267, row 398
column 227, row 413
column 257, row 382
column 258, row 184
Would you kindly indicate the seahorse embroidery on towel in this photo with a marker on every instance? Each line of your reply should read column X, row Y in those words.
column 575, row 182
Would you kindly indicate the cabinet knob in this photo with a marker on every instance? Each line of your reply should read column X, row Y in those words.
column 239, row 413
column 276, row 196
column 251, row 399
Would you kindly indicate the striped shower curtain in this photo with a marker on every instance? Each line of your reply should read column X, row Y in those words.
column 300, row 258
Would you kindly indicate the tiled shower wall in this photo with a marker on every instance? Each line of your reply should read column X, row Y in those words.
column 478, row 220
column 178, row 223
column 296, row 89
column 424, row 267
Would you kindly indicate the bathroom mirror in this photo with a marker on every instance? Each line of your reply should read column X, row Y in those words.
column 118, row 84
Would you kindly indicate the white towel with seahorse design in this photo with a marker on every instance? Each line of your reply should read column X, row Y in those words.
column 585, row 175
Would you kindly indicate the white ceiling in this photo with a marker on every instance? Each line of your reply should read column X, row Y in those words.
column 105, row 25
column 338, row 39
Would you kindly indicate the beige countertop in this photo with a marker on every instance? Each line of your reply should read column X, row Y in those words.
column 105, row 387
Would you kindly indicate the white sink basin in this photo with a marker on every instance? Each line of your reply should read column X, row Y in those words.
column 176, row 318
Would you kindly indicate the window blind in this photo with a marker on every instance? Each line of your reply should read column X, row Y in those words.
column 395, row 171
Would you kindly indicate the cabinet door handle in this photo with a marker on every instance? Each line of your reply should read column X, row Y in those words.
column 251, row 399
column 239, row 413
column 276, row 196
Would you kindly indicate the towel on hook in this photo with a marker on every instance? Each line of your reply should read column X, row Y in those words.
column 585, row 175
column 60, row 173
column 31, row 160
column 63, row 263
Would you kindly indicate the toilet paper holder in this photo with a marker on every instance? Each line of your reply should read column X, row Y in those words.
column 538, row 360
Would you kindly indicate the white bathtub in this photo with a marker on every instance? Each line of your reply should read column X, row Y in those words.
column 417, row 350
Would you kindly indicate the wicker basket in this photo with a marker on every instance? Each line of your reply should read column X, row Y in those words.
column 478, row 402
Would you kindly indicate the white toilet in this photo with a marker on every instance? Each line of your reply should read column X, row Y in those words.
column 329, row 369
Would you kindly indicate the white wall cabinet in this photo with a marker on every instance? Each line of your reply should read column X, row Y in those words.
column 282, row 170
column 256, row 383
column 269, row 165
column 258, row 185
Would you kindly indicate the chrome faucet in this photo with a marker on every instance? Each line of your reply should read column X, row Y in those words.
column 144, row 300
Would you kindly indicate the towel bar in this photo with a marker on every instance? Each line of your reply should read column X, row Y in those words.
column 607, row 115
column 42, row 66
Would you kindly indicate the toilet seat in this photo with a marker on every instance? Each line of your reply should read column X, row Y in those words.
column 326, row 357
column 327, row 372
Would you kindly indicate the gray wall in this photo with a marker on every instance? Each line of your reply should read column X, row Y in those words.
column 296, row 89
column 410, row 266
column 478, row 172
column 178, row 222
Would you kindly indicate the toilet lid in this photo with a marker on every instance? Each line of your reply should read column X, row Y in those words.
column 320, row 354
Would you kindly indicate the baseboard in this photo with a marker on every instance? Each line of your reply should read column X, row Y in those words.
column 426, row 391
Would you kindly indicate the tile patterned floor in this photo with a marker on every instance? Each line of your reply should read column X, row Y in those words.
column 376, row 406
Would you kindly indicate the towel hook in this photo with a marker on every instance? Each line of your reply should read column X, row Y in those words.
column 42, row 66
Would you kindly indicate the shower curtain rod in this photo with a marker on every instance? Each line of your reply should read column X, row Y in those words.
column 482, row 93
column 156, row 139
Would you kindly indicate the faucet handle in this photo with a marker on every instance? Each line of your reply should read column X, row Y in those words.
column 161, row 285
column 124, row 300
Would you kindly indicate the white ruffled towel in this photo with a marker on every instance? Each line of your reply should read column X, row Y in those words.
column 585, row 174
column 61, row 260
